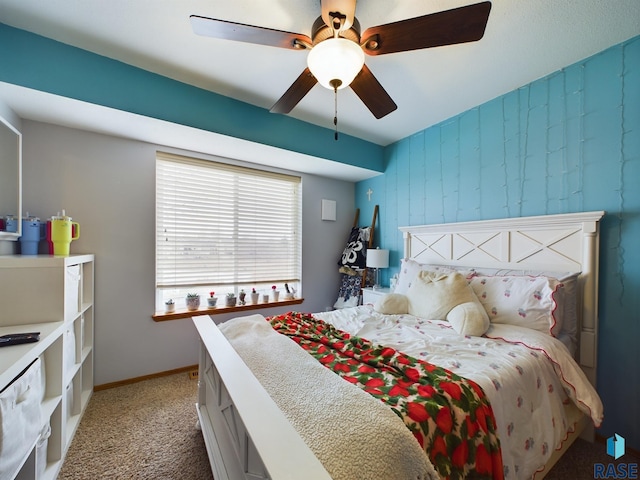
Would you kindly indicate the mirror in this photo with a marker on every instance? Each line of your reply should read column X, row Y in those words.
column 10, row 181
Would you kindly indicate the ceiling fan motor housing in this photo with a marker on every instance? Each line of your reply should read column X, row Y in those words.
column 343, row 8
column 320, row 31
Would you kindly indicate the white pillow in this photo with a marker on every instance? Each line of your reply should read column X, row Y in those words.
column 409, row 268
column 524, row 301
column 392, row 304
column 447, row 296
column 566, row 297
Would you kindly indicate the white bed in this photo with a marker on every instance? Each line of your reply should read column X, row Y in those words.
column 249, row 437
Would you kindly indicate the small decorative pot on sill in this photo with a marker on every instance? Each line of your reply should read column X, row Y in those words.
column 211, row 300
column 275, row 293
column 230, row 300
column 241, row 297
column 169, row 306
column 289, row 292
column 255, row 296
column 193, row 301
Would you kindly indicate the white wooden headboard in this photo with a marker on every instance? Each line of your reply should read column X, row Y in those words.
column 557, row 243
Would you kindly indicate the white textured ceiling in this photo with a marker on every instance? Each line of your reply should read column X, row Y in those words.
column 524, row 40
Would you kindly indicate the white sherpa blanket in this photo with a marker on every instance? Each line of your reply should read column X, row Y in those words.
column 354, row 435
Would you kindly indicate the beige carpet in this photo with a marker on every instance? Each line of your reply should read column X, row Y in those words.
column 146, row 430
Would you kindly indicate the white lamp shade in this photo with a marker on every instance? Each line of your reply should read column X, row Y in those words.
column 377, row 258
column 335, row 58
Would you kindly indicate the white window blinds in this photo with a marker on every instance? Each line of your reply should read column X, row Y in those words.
column 224, row 225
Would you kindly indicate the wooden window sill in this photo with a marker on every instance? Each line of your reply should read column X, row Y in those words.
column 162, row 316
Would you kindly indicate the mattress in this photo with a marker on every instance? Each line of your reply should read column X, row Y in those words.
column 536, row 390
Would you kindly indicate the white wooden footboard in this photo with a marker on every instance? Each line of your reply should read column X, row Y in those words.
column 246, row 434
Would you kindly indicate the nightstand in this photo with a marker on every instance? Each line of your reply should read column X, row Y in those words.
column 369, row 295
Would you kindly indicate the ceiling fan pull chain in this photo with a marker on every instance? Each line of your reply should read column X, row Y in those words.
column 335, row 84
column 335, row 116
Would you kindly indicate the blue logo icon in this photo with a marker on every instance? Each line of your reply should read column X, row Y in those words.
column 615, row 446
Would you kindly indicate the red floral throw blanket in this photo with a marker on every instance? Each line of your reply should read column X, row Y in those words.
column 448, row 415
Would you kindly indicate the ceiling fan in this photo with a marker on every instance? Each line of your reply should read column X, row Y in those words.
column 336, row 47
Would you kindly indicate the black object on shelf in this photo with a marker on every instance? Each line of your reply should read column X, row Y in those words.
column 18, row 338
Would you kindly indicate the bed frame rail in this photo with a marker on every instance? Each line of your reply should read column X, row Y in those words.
column 246, row 434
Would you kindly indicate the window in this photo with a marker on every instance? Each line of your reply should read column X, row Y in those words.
column 222, row 228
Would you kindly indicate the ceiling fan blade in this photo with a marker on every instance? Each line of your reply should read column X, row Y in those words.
column 240, row 32
column 295, row 93
column 459, row 25
column 372, row 94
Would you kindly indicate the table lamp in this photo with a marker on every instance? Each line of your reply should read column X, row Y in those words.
column 377, row 258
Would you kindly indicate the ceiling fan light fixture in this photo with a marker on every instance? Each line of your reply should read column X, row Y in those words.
column 335, row 59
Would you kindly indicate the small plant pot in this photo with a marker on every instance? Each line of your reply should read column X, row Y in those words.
column 211, row 301
column 169, row 307
column 276, row 295
column 265, row 298
column 231, row 301
column 241, row 298
column 193, row 303
column 255, row 298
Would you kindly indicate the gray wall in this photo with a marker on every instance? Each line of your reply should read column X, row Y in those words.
column 107, row 184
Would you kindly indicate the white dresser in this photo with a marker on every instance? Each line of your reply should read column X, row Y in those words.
column 53, row 296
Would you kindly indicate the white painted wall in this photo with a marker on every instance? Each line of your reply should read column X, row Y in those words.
column 107, row 184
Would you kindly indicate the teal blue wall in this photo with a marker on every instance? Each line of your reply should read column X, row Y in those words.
column 569, row 142
column 43, row 64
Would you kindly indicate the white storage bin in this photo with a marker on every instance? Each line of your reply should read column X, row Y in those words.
column 41, row 450
column 20, row 420
column 73, row 297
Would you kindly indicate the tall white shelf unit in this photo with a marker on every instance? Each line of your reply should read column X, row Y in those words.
column 52, row 295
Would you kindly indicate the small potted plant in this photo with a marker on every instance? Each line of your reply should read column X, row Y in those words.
column 169, row 306
column 193, row 301
column 255, row 296
column 275, row 293
column 231, row 299
column 211, row 301
column 288, row 292
column 241, row 297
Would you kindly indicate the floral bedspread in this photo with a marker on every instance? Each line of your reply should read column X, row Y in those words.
column 529, row 377
column 449, row 416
